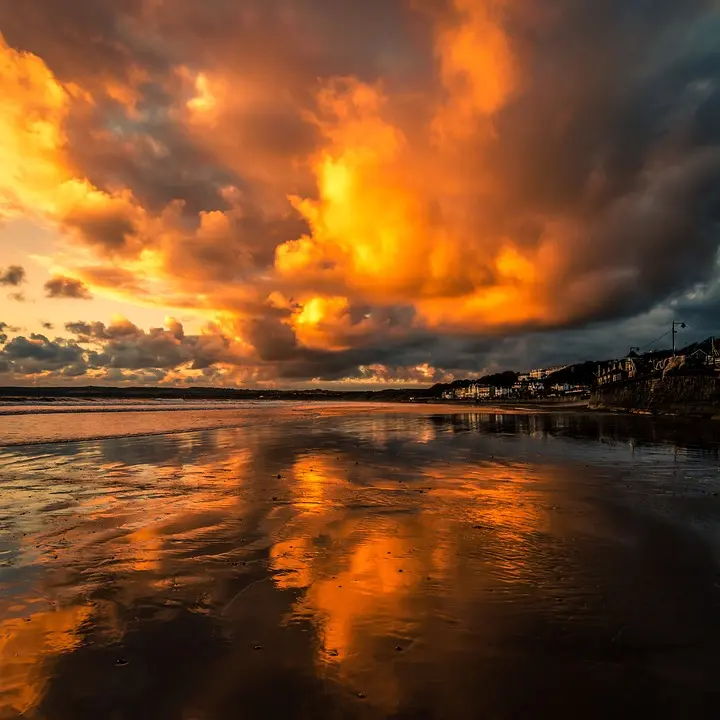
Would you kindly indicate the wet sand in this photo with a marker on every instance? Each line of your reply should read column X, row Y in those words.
column 344, row 561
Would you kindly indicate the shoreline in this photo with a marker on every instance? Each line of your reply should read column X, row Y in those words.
column 179, row 398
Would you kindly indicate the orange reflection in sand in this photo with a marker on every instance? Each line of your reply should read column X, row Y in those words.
column 377, row 546
column 121, row 535
column 365, row 573
column 28, row 646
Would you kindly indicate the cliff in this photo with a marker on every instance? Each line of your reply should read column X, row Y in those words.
column 697, row 395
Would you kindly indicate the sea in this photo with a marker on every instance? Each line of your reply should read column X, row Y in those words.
column 211, row 560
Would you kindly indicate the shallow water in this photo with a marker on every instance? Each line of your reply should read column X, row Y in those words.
column 325, row 561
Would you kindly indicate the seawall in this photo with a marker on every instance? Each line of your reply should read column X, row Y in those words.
column 689, row 395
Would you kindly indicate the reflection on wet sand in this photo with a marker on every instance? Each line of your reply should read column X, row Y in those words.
column 27, row 646
column 369, row 564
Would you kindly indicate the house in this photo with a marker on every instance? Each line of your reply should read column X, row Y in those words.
column 700, row 357
column 484, row 392
column 560, row 388
column 612, row 372
column 538, row 374
column 464, row 393
column 543, row 373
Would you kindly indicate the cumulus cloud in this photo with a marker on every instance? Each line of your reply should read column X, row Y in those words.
column 37, row 355
column 123, row 345
column 362, row 190
column 13, row 275
column 118, row 351
column 65, row 287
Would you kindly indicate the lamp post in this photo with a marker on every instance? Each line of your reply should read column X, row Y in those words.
column 682, row 326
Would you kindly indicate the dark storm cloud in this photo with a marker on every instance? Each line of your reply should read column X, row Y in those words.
column 118, row 352
column 37, row 354
column 110, row 232
column 80, row 38
column 244, row 243
column 161, row 166
column 65, row 287
column 335, row 365
column 13, row 275
column 125, row 346
column 615, row 131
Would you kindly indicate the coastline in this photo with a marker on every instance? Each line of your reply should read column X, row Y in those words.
column 620, row 399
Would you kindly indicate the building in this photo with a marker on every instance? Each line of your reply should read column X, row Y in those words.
column 543, row 373
column 576, row 389
column 614, row 371
column 478, row 392
column 539, row 374
column 483, row 392
column 560, row 388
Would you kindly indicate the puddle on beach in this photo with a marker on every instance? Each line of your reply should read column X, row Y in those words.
column 343, row 562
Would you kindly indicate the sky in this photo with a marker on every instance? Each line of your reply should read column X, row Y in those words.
column 304, row 193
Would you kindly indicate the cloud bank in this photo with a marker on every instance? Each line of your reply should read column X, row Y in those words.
column 384, row 190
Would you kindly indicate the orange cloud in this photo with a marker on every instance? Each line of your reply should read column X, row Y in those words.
column 323, row 187
column 477, row 67
column 37, row 178
column 375, row 235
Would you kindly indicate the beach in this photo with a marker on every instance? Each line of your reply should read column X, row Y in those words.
column 349, row 560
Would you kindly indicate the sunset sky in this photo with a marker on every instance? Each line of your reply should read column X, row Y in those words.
column 294, row 193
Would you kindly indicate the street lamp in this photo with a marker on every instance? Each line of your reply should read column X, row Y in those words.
column 682, row 326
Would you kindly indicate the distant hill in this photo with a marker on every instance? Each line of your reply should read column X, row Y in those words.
column 99, row 392
column 578, row 374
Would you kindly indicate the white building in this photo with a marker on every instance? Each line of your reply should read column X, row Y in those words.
column 542, row 373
